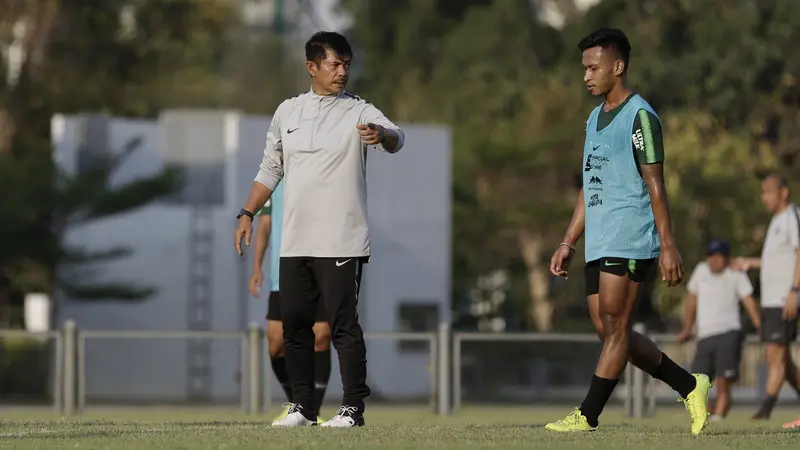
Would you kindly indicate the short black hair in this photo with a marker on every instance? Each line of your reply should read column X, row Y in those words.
column 609, row 38
column 322, row 41
column 781, row 179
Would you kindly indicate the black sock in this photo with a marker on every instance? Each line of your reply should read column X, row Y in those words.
column 279, row 367
column 766, row 407
column 322, row 373
column 675, row 376
column 599, row 392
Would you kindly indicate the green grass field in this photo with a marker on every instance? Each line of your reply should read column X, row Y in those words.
column 387, row 428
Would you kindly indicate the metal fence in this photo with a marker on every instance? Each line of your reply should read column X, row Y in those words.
column 70, row 378
column 248, row 344
column 473, row 367
column 553, row 368
column 531, row 368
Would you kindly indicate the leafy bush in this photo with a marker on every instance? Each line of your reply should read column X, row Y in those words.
column 25, row 366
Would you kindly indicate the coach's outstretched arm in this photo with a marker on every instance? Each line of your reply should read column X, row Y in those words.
column 745, row 263
column 559, row 263
column 270, row 173
column 670, row 260
column 376, row 129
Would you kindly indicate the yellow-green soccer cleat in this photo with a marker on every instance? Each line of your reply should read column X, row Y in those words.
column 697, row 403
column 319, row 420
column 575, row 421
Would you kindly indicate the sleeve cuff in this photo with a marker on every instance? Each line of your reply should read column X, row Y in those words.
column 401, row 140
column 268, row 179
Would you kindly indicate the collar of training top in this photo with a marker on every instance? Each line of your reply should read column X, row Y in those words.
column 314, row 95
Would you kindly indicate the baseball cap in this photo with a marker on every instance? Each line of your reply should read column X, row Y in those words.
column 719, row 246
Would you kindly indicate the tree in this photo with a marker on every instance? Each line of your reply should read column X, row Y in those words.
column 39, row 216
column 479, row 81
column 259, row 72
column 25, row 29
column 721, row 74
column 130, row 58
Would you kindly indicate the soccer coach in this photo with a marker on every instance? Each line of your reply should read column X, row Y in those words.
column 317, row 144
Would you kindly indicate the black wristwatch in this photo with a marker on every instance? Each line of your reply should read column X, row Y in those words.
column 244, row 212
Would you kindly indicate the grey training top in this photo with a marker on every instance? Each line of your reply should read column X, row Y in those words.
column 314, row 146
column 779, row 257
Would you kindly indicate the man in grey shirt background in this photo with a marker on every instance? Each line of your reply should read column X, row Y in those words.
column 780, row 284
column 317, row 144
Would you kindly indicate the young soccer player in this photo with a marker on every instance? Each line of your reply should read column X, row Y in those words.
column 623, row 210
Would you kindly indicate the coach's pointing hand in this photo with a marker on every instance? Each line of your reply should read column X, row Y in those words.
column 243, row 231
column 371, row 134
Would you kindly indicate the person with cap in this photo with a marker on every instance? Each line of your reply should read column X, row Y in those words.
column 712, row 315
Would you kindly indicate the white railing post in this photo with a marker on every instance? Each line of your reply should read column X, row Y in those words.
column 69, row 330
column 58, row 388
column 433, row 371
column 456, row 367
column 651, row 389
column 266, row 374
column 444, row 369
column 244, row 370
column 638, row 381
column 255, row 367
column 628, row 384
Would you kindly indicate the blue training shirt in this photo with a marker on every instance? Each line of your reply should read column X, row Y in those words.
column 275, row 238
column 619, row 216
column 274, row 208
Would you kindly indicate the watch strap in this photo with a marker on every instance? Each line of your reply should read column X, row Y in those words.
column 244, row 212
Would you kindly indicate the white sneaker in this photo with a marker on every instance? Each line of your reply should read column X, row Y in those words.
column 346, row 417
column 286, row 407
column 294, row 418
column 716, row 418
